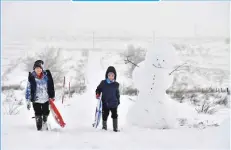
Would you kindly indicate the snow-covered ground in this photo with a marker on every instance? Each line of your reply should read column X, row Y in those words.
column 19, row 133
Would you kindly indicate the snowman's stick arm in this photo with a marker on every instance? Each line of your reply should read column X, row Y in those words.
column 177, row 68
column 129, row 61
column 133, row 63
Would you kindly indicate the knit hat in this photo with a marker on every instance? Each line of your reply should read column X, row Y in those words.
column 38, row 63
column 110, row 69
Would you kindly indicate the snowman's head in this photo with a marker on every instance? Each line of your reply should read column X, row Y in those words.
column 162, row 55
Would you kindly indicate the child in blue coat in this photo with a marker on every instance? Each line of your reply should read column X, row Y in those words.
column 40, row 89
column 109, row 89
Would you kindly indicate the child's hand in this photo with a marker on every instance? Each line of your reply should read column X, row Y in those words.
column 28, row 105
column 51, row 99
column 97, row 96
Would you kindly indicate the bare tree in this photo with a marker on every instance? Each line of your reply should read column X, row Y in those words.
column 11, row 108
column 11, row 67
column 80, row 76
column 53, row 61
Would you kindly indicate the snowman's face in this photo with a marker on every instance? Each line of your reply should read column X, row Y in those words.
column 159, row 62
column 161, row 56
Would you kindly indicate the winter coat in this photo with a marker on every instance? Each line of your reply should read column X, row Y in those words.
column 40, row 90
column 109, row 90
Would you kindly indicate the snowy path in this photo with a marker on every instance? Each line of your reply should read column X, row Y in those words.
column 19, row 133
column 95, row 72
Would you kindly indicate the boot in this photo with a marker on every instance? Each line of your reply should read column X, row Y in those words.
column 44, row 119
column 44, row 126
column 115, row 125
column 38, row 122
column 104, row 125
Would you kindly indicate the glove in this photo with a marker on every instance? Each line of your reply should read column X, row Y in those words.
column 51, row 99
column 28, row 105
column 97, row 96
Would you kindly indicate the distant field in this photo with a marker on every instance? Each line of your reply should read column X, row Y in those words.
column 208, row 58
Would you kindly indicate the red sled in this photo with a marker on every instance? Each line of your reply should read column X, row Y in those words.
column 56, row 114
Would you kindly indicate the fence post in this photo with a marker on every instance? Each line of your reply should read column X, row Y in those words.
column 63, row 93
column 69, row 92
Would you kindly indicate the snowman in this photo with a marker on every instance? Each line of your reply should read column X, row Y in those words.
column 152, row 78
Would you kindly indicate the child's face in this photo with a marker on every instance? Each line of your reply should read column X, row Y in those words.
column 38, row 70
column 111, row 76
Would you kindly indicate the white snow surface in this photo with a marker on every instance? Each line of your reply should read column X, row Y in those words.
column 19, row 132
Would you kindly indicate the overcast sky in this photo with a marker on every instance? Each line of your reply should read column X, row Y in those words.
column 166, row 18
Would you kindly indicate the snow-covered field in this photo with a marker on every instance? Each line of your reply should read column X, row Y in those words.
column 209, row 62
column 79, row 134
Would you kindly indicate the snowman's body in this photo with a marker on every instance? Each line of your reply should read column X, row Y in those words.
column 153, row 106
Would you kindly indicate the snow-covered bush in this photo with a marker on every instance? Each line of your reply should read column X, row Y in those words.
column 207, row 107
column 222, row 99
column 10, row 96
column 11, row 103
column 130, row 90
column 79, row 89
column 11, row 87
column 178, row 95
column 11, row 108
column 204, row 101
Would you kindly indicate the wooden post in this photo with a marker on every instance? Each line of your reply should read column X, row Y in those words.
column 69, row 91
column 63, row 93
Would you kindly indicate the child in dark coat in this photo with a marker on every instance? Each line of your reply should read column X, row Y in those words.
column 109, row 89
